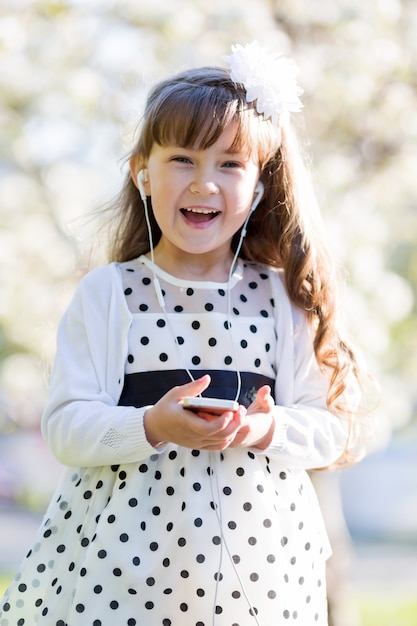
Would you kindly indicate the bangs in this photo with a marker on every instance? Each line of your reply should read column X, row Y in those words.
column 197, row 117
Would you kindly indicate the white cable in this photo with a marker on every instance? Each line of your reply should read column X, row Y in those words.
column 219, row 515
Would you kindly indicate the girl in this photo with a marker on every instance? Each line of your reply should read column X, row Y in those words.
column 220, row 286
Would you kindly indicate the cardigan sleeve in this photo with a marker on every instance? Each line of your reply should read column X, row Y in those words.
column 82, row 424
column 307, row 435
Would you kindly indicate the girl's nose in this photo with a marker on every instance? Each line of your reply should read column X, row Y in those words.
column 204, row 185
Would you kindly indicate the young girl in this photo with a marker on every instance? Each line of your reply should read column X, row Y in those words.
column 220, row 286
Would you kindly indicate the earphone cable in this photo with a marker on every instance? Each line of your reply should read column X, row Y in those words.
column 219, row 515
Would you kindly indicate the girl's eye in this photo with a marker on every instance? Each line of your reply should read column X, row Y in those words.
column 231, row 164
column 181, row 159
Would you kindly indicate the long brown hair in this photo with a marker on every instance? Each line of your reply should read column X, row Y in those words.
column 194, row 108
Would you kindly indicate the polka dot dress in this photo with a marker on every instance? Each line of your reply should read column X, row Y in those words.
column 185, row 537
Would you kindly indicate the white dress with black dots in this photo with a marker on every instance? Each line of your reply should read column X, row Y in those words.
column 183, row 537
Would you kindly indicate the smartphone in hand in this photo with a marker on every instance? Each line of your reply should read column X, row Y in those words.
column 215, row 406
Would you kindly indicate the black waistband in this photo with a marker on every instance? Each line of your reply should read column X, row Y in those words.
column 145, row 388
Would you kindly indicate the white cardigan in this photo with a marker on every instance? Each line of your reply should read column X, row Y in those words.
column 84, row 426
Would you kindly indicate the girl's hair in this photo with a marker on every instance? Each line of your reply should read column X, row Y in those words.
column 193, row 108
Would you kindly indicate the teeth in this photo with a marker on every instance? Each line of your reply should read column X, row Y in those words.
column 205, row 211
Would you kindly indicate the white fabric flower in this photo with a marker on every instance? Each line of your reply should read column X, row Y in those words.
column 268, row 78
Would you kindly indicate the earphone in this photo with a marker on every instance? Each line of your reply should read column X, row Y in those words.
column 141, row 178
column 259, row 191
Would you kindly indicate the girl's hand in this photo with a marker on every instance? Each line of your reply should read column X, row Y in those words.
column 168, row 421
column 258, row 424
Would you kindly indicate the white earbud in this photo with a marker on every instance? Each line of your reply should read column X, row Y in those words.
column 259, row 192
column 141, row 178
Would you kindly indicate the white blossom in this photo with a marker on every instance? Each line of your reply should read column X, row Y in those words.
column 270, row 79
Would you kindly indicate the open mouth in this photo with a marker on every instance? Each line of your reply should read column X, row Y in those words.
column 198, row 215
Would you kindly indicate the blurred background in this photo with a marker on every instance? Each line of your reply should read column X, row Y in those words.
column 73, row 78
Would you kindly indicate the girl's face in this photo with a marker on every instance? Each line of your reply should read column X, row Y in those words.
column 200, row 198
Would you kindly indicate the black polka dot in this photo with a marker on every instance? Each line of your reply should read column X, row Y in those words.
column 189, row 291
column 208, row 306
column 161, row 323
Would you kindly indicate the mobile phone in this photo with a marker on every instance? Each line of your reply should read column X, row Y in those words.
column 215, row 406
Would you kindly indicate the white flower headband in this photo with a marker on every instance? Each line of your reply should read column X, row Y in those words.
column 268, row 78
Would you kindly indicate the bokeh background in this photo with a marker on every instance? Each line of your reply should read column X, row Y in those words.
column 73, row 78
